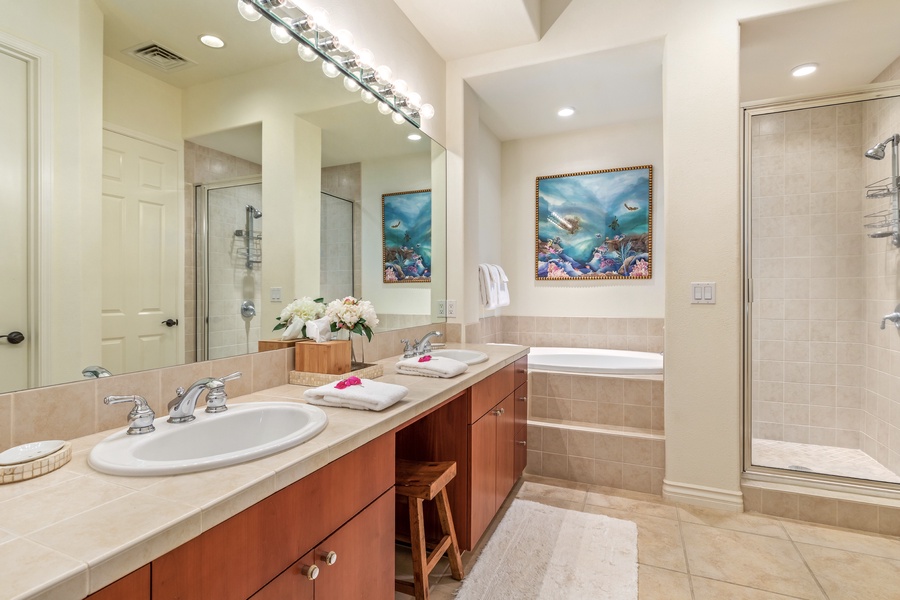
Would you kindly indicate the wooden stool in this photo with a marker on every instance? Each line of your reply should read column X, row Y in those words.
column 420, row 481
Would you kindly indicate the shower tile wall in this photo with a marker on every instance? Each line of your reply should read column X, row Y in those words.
column 336, row 247
column 881, row 428
column 808, row 332
column 345, row 181
column 202, row 165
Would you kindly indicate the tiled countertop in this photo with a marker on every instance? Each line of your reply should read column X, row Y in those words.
column 71, row 532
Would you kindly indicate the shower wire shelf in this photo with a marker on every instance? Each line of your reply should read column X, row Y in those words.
column 883, row 188
column 242, row 233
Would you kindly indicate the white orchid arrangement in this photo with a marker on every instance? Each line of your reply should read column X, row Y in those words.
column 305, row 309
column 356, row 316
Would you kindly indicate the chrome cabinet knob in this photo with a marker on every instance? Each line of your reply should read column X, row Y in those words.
column 310, row 571
column 523, row 399
column 498, row 412
column 329, row 558
column 522, row 442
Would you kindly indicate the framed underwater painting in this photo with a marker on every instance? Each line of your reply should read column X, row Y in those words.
column 406, row 239
column 594, row 225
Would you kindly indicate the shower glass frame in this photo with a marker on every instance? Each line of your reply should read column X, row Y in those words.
column 761, row 473
column 201, row 242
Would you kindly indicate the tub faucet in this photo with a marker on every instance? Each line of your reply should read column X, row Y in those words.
column 181, row 407
column 423, row 346
column 894, row 318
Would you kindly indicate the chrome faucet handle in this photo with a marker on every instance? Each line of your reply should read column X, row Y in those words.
column 140, row 419
column 181, row 407
column 893, row 317
column 408, row 351
column 216, row 398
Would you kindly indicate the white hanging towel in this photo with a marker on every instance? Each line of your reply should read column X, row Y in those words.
column 502, row 287
column 489, row 289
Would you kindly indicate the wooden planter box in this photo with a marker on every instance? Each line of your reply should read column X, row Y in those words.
column 332, row 357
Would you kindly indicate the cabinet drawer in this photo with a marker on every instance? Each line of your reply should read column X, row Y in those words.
column 521, row 375
column 488, row 392
column 239, row 556
column 520, row 399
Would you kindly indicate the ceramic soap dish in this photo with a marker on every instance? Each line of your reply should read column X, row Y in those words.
column 32, row 460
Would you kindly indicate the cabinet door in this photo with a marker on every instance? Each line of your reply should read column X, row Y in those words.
column 364, row 553
column 292, row 584
column 505, row 449
column 483, row 473
column 134, row 586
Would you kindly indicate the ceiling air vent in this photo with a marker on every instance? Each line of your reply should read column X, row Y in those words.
column 158, row 56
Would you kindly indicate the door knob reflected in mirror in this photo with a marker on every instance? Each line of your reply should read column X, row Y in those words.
column 14, row 337
column 170, row 322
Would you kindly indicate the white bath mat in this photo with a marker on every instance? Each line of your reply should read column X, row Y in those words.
column 543, row 552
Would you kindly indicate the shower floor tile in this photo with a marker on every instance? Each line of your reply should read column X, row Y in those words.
column 844, row 462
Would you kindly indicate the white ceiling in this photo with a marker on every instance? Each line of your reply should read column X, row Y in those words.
column 852, row 40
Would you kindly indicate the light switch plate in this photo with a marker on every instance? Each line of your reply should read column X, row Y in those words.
column 703, row 292
column 275, row 294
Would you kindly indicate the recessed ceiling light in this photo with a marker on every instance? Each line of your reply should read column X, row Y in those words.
column 414, row 137
column 568, row 111
column 804, row 70
column 211, row 41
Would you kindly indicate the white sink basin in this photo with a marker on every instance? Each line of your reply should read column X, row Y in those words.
column 470, row 357
column 242, row 433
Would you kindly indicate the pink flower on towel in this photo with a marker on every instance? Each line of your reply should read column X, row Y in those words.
column 425, row 358
column 348, row 382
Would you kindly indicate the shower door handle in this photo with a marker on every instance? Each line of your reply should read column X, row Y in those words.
column 14, row 337
column 170, row 322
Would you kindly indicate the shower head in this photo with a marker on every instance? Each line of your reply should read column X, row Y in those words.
column 253, row 211
column 876, row 152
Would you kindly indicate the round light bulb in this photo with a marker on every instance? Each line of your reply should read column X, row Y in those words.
column 426, row 111
column 350, row 85
column 248, row 11
column 365, row 58
column 212, row 41
column 279, row 33
column 566, row 111
column 401, row 87
column 343, row 40
column 330, row 69
column 383, row 74
column 367, row 97
column 384, row 108
column 307, row 53
column 319, row 17
column 398, row 118
column 414, row 99
column 414, row 137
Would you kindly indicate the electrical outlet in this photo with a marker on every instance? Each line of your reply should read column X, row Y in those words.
column 451, row 308
column 442, row 308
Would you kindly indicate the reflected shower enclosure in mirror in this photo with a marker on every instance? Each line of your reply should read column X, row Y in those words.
column 108, row 260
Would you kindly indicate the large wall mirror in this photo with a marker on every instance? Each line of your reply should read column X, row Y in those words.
column 166, row 200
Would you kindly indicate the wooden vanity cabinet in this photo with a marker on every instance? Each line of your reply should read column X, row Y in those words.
column 364, row 565
column 240, row 556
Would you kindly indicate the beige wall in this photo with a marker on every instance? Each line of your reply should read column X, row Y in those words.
column 623, row 145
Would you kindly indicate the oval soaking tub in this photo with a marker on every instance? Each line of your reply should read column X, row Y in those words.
column 595, row 361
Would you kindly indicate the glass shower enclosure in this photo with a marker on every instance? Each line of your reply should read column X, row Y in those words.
column 229, row 226
column 822, row 271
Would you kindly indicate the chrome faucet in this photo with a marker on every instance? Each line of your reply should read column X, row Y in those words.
column 140, row 419
column 181, row 407
column 95, row 372
column 423, row 346
column 894, row 318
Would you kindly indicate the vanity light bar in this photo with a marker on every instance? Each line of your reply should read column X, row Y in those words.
column 338, row 57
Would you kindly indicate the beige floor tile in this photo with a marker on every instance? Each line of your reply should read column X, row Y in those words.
column 641, row 507
column 552, row 495
column 710, row 589
column 750, row 560
column 659, row 540
column 661, row 584
column 745, row 522
column 851, row 576
column 843, row 539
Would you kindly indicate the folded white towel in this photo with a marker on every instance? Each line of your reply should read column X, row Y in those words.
column 368, row 395
column 438, row 366
column 502, row 286
column 488, row 287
